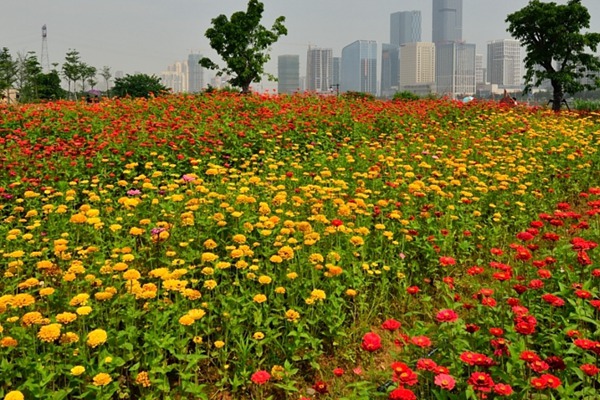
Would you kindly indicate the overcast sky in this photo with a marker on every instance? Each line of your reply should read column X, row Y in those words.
column 148, row 35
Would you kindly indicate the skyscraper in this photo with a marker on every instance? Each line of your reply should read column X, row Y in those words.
column 447, row 21
column 405, row 27
column 195, row 73
column 319, row 69
column 359, row 67
column 417, row 66
column 288, row 73
column 390, row 69
column 504, row 62
column 455, row 69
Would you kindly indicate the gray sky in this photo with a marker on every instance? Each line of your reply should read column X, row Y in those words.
column 149, row 35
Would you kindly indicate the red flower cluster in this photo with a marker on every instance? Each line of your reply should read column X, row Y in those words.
column 545, row 381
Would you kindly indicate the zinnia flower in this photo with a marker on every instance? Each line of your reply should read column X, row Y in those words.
column 445, row 381
column 260, row 377
column 102, row 379
column 96, row 337
column 401, row 393
column 77, row 370
column 390, row 325
column 371, row 342
column 446, row 315
column 14, row 395
column 49, row 333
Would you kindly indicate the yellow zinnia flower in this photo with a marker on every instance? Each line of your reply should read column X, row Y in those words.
column 102, row 379
column 96, row 337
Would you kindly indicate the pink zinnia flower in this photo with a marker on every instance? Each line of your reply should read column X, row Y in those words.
column 446, row 315
column 445, row 381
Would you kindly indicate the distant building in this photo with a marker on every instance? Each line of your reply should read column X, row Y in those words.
column 390, row 69
column 195, row 73
column 288, row 73
column 337, row 70
column 359, row 67
column 176, row 77
column 480, row 71
column 455, row 69
column 405, row 27
column 417, row 67
column 319, row 69
column 504, row 63
column 447, row 21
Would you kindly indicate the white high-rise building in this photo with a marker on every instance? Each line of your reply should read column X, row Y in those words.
column 176, row 77
column 319, row 69
column 417, row 66
column 504, row 63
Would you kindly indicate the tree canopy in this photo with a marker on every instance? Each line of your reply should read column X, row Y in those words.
column 138, row 85
column 243, row 44
column 556, row 47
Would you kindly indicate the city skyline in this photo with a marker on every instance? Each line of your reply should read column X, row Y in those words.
column 147, row 36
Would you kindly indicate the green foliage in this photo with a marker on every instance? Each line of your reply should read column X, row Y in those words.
column 8, row 70
column 243, row 43
column 405, row 95
column 138, row 85
column 358, row 95
column 48, row 86
column 555, row 46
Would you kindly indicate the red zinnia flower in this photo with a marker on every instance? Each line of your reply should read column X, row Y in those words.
column 413, row 290
column 426, row 364
column 337, row 222
column 503, row 389
column 446, row 315
column 445, row 261
column 589, row 369
column 338, row 371
column 320, row 387
column 481, row 381
column 371, row 341
column 390, row 325
column 401, row 393
column 421, row 341
column 551, row 380
column 260, row 377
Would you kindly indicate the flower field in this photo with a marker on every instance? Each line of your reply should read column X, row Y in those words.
column 298, row 247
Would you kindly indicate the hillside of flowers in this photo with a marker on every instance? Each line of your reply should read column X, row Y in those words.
column 298, row 247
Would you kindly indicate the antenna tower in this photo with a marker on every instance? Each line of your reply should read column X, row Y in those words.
column 44, row 59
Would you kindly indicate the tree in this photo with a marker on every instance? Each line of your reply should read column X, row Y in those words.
column 106, row 74
column 28, row 75
column 138, row 85
column 71, row 70
column 8, row 72
column 243, row 44
column 556, row 48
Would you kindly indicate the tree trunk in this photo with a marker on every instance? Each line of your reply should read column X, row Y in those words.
column 557, row 97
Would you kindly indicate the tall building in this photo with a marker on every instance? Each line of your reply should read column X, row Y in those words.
column 390, row 69
column 337, row 70
column 447, row 21
column 417, row 65
column 176, row 77
column 504, row 63
column 359, row 67
column 195, row 73
column 405, row 27
column 455, row 69
column 288, row 73
column 319, row 69
column 480, row 71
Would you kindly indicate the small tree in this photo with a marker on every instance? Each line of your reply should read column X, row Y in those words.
column 556, row 48
column 72, row 70
column 243, row 43
column 29, row 71
column 138, row 85
column 106, row 74
column 8, row 72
